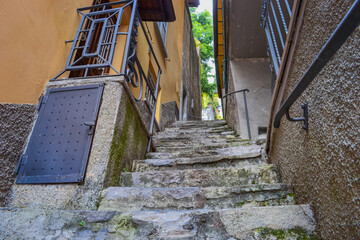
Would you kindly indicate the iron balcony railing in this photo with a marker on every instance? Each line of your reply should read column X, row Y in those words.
column 276, row 21
column 93, row 49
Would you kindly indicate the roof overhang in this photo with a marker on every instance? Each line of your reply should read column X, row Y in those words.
column 194, row 3
column 156, row 10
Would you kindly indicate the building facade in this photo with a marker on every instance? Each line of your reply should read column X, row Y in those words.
column 312, row 53
column 95, row 78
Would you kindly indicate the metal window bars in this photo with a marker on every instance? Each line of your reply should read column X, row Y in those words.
column 93, row 48
column 275, row 21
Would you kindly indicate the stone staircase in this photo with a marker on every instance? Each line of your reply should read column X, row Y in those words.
column 203, row 182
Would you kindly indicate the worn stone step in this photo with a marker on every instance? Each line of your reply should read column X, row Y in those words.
column 243, row 223
column 197, row 130
column 256, row 174
column 179, row 138
column 126, row 199
column 236, row 161
column 190, row 124
column 199, row 140
column 198, row 147
column 294, row 222
column 251, row 150
column 172, row 136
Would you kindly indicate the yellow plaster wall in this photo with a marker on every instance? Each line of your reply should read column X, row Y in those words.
column 32, row 45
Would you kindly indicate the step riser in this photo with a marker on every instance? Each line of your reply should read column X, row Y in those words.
column 223, row 224
column 171, row 164
column 240, row 151
column 168, row 142
column 201, row 177
column 136, row 199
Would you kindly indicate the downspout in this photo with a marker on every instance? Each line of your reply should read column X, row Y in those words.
column 226, row 51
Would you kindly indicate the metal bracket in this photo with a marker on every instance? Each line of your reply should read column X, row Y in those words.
column 91, row 126
column 40, row 102
column 304, row 119
column 21, row 162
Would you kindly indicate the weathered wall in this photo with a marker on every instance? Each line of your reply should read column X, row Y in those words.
column 119, row 138
column 168, row 114
column 129, row 142
column 323, row 163
column 255, row 75
column 231, row 105
column 32, row 45
column 190, row 74
column 16, row 121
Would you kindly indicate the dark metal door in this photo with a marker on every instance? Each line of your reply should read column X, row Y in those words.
column 60, row 143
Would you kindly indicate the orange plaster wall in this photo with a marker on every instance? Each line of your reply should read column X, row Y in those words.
column 32, row 45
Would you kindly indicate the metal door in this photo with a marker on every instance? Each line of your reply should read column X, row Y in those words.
column 60, row 143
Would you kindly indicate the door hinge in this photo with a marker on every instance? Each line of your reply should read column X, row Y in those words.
column 21, row 162
column 42, row 100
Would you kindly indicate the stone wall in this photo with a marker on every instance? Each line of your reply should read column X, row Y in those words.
column 120, row 136
column 168, row 114
column 231, row 105
column 16, row 121
column 253, row 74
column 323, row 163
column 190, row 75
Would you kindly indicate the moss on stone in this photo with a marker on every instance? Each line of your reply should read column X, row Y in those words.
column 122, row 226
column 127, row 138
column 294, row 233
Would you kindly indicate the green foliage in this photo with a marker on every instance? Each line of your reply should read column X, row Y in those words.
column 82, row 223
column 206, row 87
column 203, row 32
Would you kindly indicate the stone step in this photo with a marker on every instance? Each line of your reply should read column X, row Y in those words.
column 237, row 161
column 126, row 199
column 294, row 222
column 249, row 151
column 197, row 147
column 179, row 138
column 226, row 177
column 197, row 130
column 243, row 223
column 173, row 136
column 197, row 124
column 199, row 140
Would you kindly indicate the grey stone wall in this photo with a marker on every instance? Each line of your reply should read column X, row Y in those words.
column 323, row 163
column 190, row 75
column 168, row 114
column 146, row 115
column 253, row 74
column 231, row 105
column 16, row 121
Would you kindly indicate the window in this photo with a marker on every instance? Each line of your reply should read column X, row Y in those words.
column 162, row 27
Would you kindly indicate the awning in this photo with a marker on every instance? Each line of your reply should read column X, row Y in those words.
column 193, row 3
column 156, row 10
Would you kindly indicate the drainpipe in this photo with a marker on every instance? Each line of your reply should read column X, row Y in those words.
column 226, row 42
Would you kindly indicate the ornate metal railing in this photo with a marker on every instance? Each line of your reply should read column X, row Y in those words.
column 93, row 48
column 275, row 21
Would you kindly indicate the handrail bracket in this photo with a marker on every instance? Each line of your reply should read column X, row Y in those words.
column 304, row 119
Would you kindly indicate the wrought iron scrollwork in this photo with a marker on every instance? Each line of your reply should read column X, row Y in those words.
column 134, row 74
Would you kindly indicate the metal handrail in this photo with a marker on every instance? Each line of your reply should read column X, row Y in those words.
column 346, row 27
column 245, row 105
